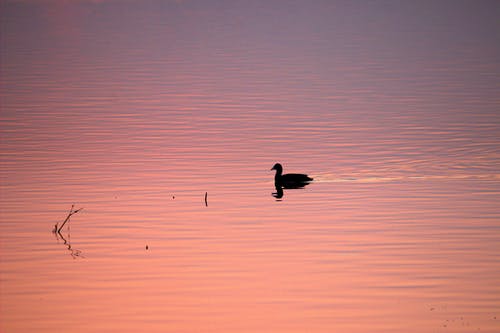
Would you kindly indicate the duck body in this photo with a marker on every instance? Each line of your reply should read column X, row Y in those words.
column 289, row 180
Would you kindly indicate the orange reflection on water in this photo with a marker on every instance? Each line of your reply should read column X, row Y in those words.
column 325, row 258
column 135, row 111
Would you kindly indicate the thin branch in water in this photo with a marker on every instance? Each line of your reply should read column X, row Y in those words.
column 56, row 229
column 71, row 212
column 206, row 203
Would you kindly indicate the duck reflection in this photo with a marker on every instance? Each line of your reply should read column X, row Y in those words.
column 279, row 192
column 288, row 181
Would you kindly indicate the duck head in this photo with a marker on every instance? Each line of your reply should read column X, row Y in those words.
column 278, row 168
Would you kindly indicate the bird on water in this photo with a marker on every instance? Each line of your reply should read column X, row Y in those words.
column 289, row 180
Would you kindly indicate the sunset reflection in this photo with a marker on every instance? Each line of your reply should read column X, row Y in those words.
column 162, row 119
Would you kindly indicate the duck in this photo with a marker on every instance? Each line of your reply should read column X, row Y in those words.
column 289, row 180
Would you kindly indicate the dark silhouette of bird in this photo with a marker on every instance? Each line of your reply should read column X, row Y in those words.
column 289, row 180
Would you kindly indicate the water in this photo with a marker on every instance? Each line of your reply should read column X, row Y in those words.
column 133, row 111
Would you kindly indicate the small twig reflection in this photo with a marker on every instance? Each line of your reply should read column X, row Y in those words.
column 67, row 240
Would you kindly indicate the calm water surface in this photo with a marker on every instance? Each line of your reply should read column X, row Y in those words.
column 134, row 110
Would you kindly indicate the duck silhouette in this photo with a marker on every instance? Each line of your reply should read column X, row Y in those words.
column 289, row 180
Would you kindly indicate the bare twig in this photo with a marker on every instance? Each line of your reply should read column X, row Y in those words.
column 71, row 212
column 56, row 229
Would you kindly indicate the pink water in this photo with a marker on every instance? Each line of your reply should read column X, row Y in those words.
column 135, row 110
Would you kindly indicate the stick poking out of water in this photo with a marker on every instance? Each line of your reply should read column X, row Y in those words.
column 71, row 212
column 206, row 203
